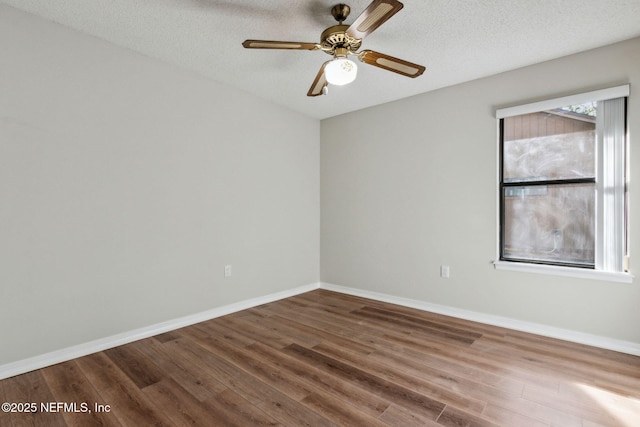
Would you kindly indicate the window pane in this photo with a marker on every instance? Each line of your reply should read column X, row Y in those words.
column 554, row 223
column 553, row 144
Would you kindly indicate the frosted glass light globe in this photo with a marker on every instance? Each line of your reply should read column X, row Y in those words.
column 340, row 71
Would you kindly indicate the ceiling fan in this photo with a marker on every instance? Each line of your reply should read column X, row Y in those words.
column 340, row 41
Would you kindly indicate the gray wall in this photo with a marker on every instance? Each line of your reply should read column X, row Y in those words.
column 127, row 184
column 410, row 185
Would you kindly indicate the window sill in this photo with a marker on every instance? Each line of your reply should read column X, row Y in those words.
column 564, row 271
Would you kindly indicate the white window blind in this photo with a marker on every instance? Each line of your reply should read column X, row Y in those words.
column 610, row 185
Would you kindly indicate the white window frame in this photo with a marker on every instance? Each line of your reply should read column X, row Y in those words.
column 604, row 269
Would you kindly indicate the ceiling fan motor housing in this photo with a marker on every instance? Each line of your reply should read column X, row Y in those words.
column 336, row 37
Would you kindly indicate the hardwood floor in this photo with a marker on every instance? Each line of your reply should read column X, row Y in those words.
column 327, row 359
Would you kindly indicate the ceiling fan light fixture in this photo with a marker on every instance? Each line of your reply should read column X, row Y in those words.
column 340, row 71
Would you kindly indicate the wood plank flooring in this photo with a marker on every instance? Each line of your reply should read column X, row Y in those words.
column 328, row 359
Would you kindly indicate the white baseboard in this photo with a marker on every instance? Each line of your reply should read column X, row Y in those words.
column 65, row 354
column 505, row 322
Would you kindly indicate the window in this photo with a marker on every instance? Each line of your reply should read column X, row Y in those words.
column 562, row 182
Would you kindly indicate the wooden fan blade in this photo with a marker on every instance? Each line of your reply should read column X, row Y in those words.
column 270, row 44
column 319, row 83
column 390, row 63
column 376, row 14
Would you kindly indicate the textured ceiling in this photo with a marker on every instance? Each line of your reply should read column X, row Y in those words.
column 457, row 40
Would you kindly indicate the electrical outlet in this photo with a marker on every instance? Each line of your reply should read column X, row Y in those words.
column 444, row 271
column 227, row 271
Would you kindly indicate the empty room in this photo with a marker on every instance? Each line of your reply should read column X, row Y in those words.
column 378, row 213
